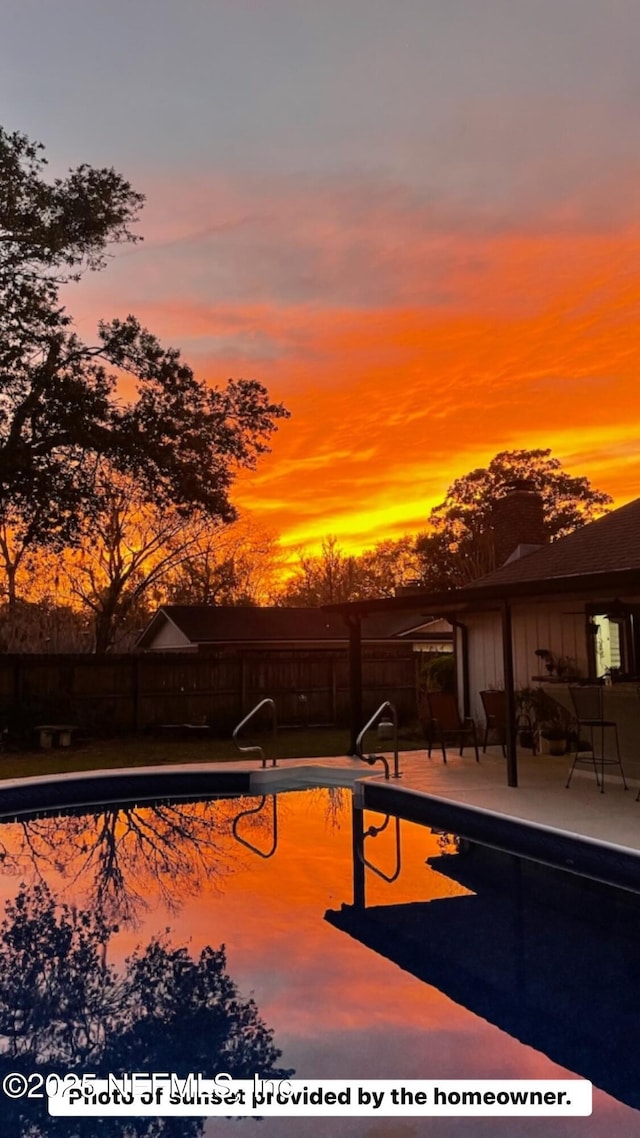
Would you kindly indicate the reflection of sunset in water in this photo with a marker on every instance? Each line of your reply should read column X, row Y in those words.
column 131, row 859
column 337, row 1008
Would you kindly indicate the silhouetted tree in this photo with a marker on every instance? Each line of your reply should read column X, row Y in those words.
column 129, row 547
column 227, row 565
column 459, row 545
column 333, row 576
column 328, row 578
column 385, row 568
column 61, row 406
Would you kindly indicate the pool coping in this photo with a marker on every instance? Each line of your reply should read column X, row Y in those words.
column 74, row 789
column 586, row 856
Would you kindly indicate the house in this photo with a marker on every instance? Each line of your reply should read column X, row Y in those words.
column 577, row 599
column 298, row 656
column 207, row 628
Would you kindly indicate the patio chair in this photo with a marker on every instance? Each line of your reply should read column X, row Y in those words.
column 495, row 710
column 445, row 722
column 588, row 703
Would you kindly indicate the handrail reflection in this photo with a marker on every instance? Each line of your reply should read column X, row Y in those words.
column 373, row 832
column 256, row 810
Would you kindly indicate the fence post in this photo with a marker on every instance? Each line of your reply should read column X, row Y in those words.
column 334, row 690
column 135, row 692
column 17, row 680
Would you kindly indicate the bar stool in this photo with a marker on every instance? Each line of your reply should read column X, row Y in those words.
column 588, row 703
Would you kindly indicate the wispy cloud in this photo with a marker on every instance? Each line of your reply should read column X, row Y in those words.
column 410, row 342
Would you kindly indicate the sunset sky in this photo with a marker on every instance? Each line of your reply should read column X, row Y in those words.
column 417, row 222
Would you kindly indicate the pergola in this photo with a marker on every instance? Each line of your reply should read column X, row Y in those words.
column 453, row 604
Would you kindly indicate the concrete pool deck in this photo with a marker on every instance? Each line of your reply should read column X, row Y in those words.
column 541, row 796
column 580, row 829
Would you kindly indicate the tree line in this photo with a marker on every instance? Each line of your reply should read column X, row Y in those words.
column 98, row 594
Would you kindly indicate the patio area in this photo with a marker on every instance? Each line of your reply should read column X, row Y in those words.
column 541, row 796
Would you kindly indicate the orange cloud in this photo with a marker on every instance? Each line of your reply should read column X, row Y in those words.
column 410, row 342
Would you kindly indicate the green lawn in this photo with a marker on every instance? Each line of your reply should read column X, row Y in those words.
column 144, row 750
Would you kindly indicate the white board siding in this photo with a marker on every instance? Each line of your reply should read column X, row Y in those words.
column 169, row 638
column 557, row 626
column 485, row 657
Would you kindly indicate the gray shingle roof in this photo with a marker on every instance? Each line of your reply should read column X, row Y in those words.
column 206, row 624
column 609, row 544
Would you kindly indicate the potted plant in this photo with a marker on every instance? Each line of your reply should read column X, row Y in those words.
column 526, row 717
column 556, row 736
column 548, row 660
column 567, row 668
column 526, row 737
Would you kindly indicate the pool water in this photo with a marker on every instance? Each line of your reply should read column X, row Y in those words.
column 466, row 966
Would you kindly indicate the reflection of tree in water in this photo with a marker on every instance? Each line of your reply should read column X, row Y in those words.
column 127, row 857
column 335, row 802
column 64, row 1008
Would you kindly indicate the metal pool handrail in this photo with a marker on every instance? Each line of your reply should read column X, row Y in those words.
column 243, row 722
column 371, row 759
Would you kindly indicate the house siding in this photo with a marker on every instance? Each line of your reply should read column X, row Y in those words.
column 485, row 657
column 557, row 626
column 169, row 638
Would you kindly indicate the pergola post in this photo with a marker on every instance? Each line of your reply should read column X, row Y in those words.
column 464, row 661
column 355, row 680
column 509, row 695
column 357, row 851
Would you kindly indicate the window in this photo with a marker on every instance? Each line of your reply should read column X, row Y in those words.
column 615, row 637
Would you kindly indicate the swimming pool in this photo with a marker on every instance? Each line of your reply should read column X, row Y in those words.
column 465, row 966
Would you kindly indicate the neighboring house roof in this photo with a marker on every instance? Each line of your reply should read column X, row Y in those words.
column 210, row 624
column 607, row 545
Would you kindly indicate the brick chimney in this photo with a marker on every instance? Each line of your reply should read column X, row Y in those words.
column 517, row 519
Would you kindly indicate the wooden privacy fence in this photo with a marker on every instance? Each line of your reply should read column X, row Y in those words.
column 132, row 692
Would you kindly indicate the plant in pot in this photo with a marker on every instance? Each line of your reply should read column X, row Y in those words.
column 557, row 737
column 567, row 668
column 548, row 659
column 528, row 704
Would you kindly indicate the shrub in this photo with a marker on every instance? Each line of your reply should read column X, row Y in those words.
column 439, row 673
